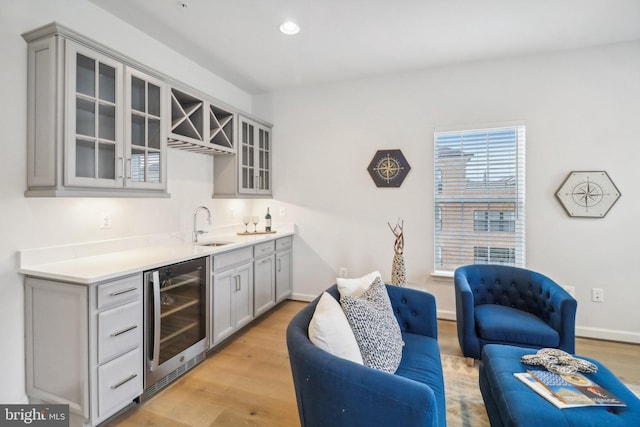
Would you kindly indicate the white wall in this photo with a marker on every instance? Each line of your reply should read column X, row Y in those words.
column 38, row 222
column 581, row 110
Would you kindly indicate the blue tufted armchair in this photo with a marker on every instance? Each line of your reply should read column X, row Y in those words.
column 500, row 304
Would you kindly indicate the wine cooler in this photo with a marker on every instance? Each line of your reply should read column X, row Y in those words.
column 176, row 321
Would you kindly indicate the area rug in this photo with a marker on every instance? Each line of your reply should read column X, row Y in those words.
column 465, row 407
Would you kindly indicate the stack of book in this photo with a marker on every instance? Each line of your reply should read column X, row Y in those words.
column 568, row 390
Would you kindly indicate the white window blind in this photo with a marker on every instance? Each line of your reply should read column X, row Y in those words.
column 479, row 197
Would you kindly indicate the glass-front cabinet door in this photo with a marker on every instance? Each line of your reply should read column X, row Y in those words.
column 145, row 135
column 264, row 160
column 247, row 153
column 94, row 119
column 255, row 158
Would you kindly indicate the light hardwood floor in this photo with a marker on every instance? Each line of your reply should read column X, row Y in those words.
column 248, row 381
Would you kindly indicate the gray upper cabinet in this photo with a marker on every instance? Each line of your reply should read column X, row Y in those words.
column 254, row 158
column 96, row 125
column 250, row 173
column 99, row 124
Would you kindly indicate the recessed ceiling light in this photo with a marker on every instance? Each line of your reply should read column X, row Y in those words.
column 289, row 28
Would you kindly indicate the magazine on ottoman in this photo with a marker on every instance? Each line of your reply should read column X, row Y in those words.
column 568, row 390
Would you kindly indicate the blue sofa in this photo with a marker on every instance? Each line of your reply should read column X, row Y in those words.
column 499, row 304
column 332, row 391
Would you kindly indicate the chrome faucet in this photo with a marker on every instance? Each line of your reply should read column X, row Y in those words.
column 197, row 232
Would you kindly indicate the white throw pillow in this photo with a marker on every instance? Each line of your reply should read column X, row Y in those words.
column 330, row 330
column 355, row 287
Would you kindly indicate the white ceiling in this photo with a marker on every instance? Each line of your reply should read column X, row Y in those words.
column 344, row 39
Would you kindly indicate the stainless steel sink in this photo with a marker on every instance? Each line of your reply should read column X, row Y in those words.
column 213, row 243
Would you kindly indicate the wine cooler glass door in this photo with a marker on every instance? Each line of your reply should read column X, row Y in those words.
column 177, row 307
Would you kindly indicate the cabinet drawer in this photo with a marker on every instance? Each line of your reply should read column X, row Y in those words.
column 119, row 330
column 284, row 243
column 119, row 382
column 119, row 291
column 229, row 259
column 263, row 249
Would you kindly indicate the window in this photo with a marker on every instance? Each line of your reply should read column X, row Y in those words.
column 485, row 255
column 438, row 219
column 479, row 189
column 494, row 221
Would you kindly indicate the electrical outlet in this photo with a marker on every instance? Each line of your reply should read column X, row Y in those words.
column 343, row 272
column 282, row 211
column 571, row 290
column 105, row 221
column 597, row 295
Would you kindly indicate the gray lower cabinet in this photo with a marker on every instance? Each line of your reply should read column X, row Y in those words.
column 246, row 283
column 283, row 266
column 84, row 345
column 232, row 293
column 264, row 289
column 84, row 342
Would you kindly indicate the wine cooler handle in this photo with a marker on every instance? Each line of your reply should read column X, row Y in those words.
column 155, row 354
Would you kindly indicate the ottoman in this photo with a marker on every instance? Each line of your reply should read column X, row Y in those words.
column 509, row 402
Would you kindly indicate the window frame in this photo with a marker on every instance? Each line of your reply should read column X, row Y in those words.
column 505, row 220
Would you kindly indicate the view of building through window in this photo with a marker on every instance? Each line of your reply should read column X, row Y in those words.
column 479, row 197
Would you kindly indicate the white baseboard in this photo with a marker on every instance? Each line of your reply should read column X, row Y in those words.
column 608, row 334
column 302, row 297
column 446, row 315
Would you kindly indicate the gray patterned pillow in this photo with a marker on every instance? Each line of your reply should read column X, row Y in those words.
column 375, row 327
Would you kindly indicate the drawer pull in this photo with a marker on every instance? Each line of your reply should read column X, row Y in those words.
column 130, row 328
column 124, row 381
column 123, row 291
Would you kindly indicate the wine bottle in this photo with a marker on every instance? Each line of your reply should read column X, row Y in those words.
column 267, row 218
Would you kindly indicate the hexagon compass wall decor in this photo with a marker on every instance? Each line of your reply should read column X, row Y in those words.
column 588, row 194
column 388, row 168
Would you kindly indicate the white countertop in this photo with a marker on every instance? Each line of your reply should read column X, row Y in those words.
column 94, row 262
